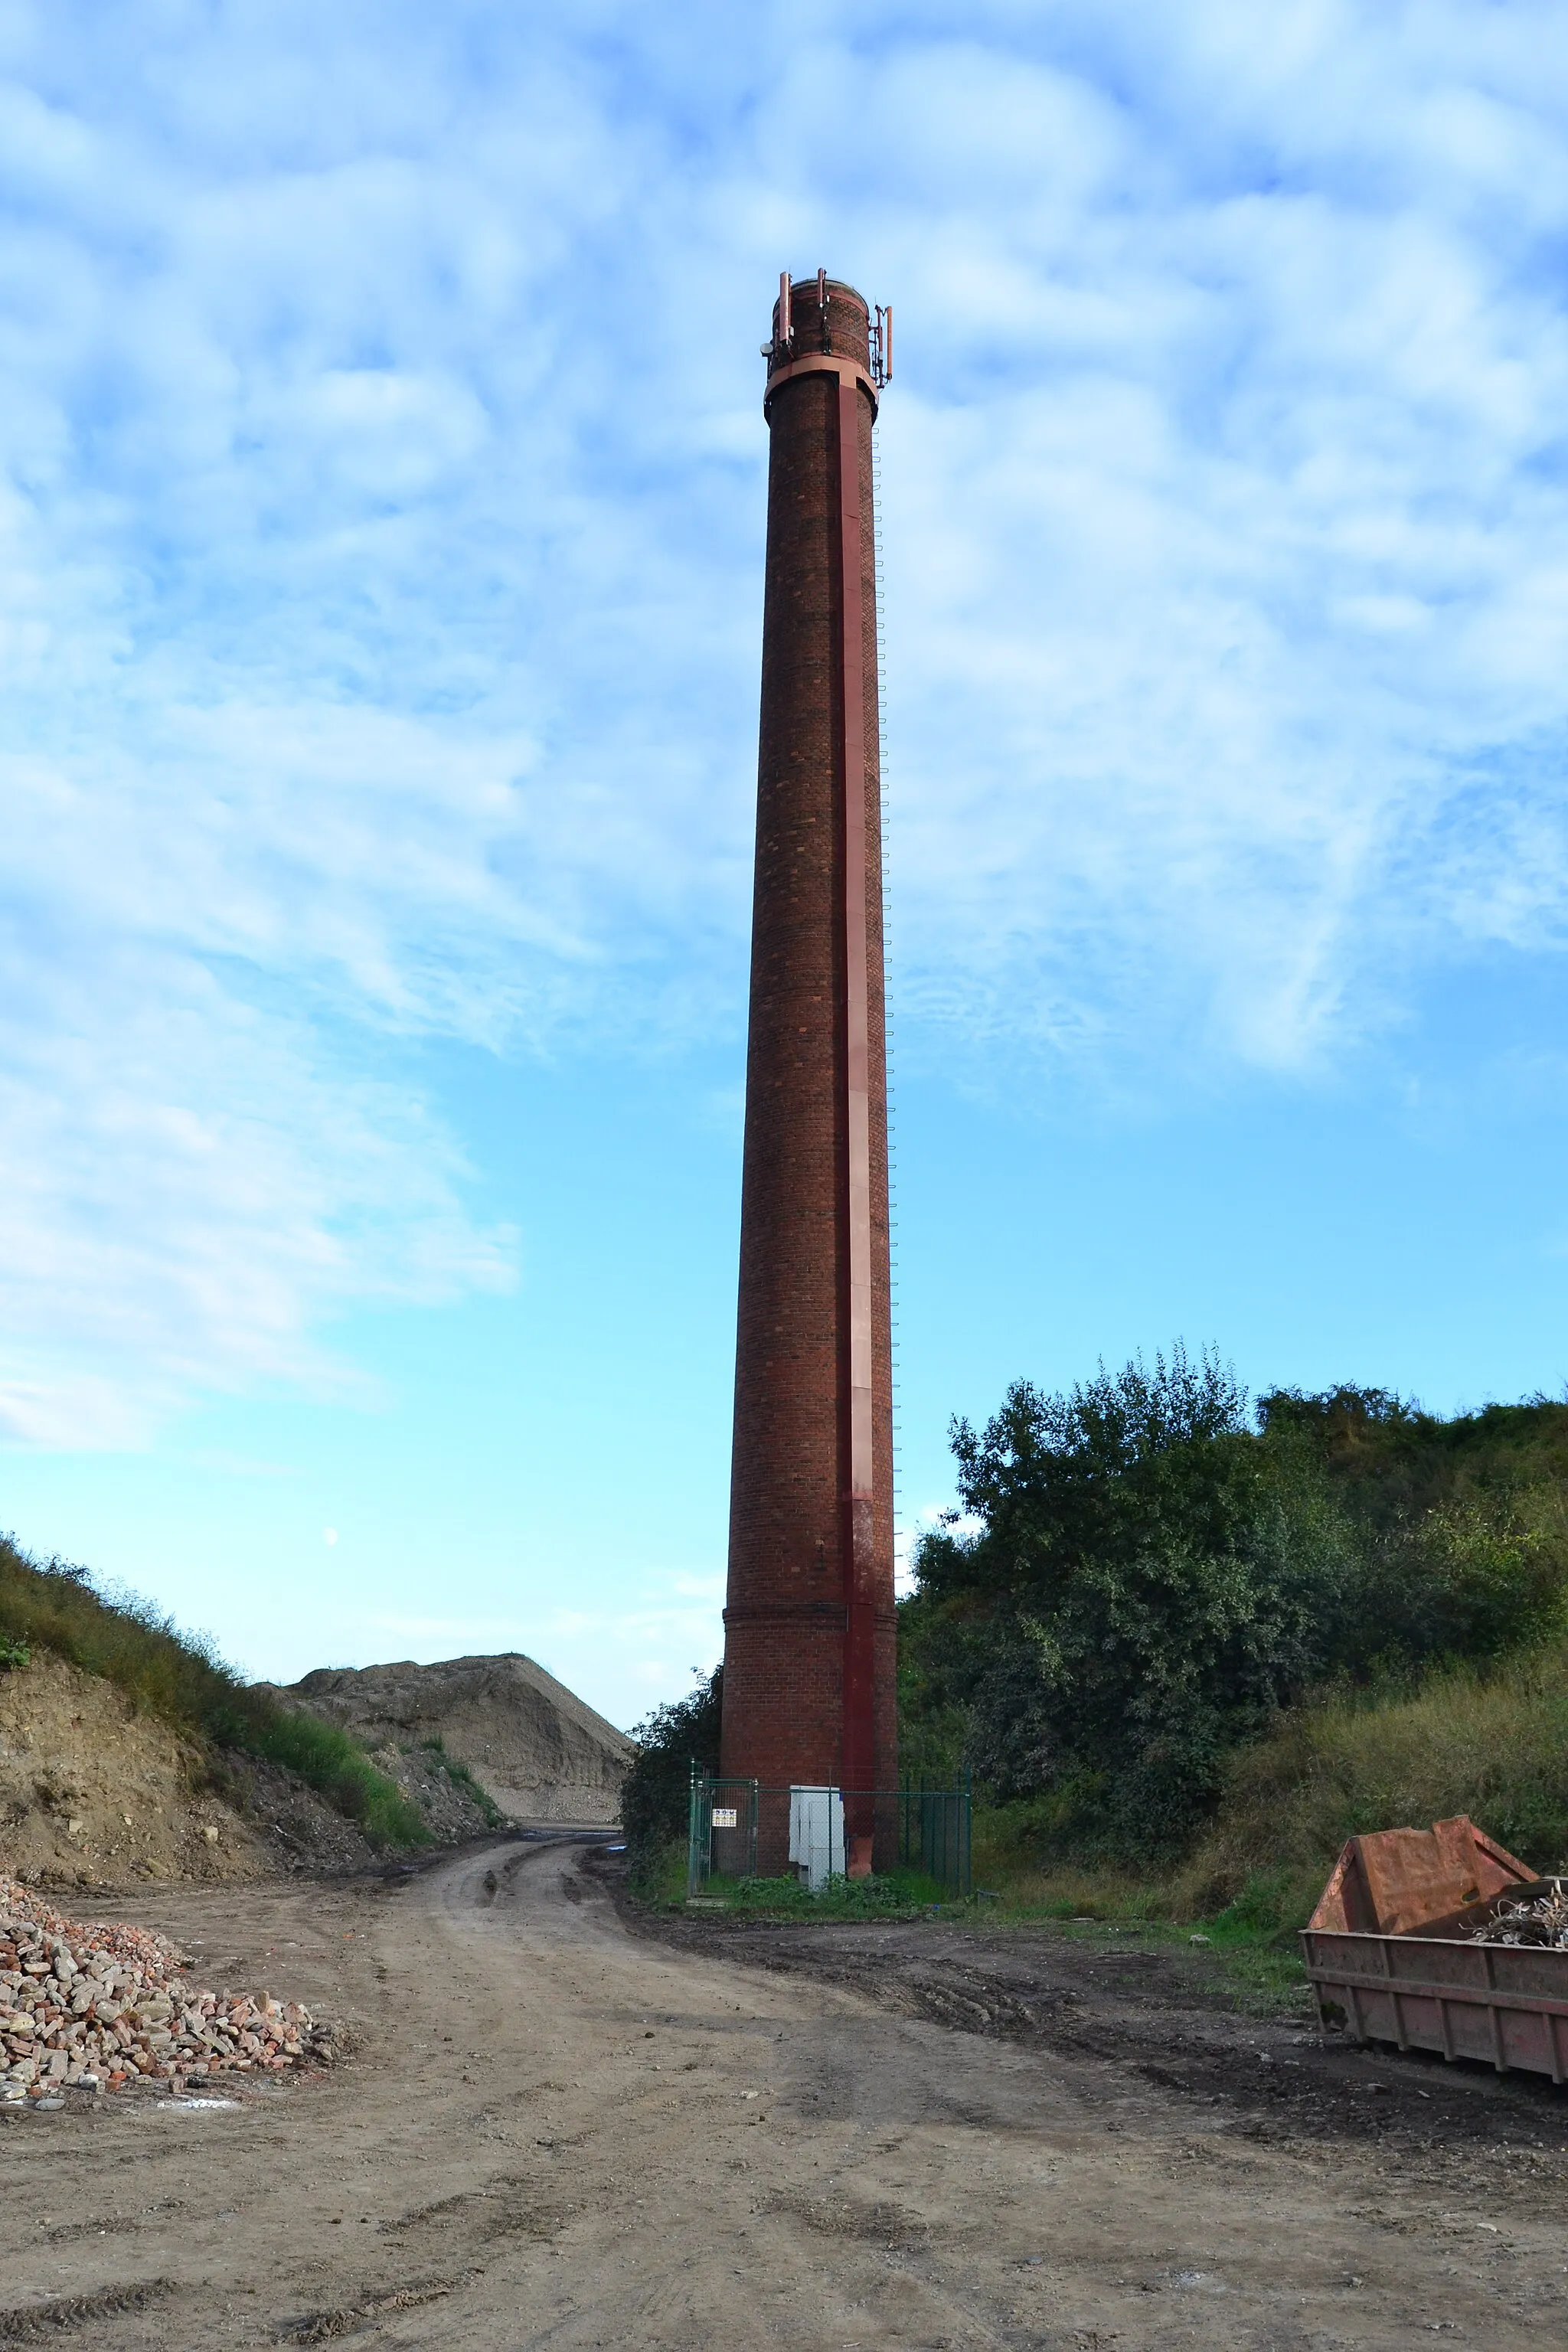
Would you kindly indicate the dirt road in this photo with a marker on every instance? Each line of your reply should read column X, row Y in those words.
column 555, row 2132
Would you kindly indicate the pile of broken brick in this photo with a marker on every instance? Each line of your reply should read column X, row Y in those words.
column 100, row 2007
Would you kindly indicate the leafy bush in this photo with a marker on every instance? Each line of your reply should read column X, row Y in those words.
column 1147, row 1586
column 1155, row 1573
column 655, row 1793
column 180, row 1679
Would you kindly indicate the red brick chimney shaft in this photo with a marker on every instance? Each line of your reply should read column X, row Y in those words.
column 809, row 1628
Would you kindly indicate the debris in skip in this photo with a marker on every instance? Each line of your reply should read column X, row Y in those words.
column 99, row 2007
column 1545, row 1921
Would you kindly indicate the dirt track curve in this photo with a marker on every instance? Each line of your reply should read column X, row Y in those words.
column 554, row 2131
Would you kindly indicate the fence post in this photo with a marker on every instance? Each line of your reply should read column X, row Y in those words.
column 691, row 1865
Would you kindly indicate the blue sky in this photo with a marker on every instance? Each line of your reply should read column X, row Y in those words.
column 382, row 477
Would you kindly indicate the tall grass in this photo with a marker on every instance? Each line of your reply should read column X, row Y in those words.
column 1489, row 1741
column 180, row 1679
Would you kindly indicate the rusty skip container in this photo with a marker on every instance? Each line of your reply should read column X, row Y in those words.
column 1391, row 1953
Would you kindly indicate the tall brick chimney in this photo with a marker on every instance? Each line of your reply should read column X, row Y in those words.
column 809, row 1628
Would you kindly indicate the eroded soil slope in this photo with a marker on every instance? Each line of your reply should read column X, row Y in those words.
column 93, row 1795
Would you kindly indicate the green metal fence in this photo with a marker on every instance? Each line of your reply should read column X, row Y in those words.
column 934, row 1834
column 739, row 1829
column 723, row 1830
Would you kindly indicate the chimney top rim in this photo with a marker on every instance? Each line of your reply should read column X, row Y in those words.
column 806, row 285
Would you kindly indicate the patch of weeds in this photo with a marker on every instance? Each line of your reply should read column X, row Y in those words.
column 887, row 1895
column 462, row 1779
column 1262, row 1913
column 1253, row 1941
column 1248, row 1951
column 1264, row 1978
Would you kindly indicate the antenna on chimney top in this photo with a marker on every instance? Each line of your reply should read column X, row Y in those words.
column 784, row 332
column 882, row 345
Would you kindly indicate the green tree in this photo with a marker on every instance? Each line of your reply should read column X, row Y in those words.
column 656, row 1790
column 1144, row 1574
column 1143, row 1585
column 1459, row 1525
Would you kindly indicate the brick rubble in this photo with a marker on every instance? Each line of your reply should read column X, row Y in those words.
column 112, row 2004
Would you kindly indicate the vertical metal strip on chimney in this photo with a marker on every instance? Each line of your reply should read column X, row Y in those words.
column 860, row 1629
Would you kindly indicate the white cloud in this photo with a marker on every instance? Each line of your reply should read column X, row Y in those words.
column 186, row 1184
column 379, row 534
column 1206, row 607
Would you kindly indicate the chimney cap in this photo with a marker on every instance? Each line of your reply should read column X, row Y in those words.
column 840, row 329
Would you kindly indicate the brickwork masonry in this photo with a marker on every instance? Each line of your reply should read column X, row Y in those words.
column 784, row 1639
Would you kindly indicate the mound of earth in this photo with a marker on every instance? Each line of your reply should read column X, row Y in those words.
column 538, row 1751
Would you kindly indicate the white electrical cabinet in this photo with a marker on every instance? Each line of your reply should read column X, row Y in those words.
column 816, row 1835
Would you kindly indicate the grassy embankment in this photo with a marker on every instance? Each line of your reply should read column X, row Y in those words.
column 177, row 1679
column 1492, row 1743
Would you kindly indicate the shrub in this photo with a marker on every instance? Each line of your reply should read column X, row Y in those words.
column 1148, row 1585
column 655, row 1792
